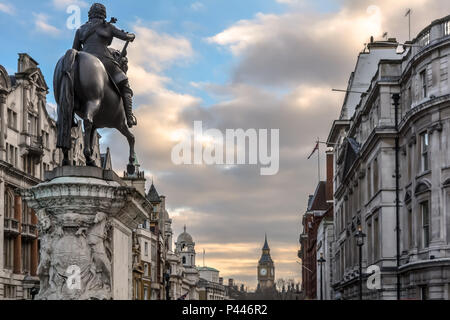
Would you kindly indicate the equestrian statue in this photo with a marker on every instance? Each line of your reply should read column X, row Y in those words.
column 90, row 81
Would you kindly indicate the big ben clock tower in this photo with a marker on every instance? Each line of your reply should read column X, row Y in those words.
column 266, row 269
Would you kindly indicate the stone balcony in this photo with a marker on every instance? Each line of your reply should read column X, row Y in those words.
column 11, row 226
column 33, row 145
column 29, row 231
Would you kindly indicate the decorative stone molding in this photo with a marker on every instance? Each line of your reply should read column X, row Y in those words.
column 76, row 220
column 412, row 140
column 437, row 126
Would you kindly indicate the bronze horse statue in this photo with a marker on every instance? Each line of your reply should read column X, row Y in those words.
column 83, row 87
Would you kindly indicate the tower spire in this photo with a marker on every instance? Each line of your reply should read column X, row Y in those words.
column 266, row 245
column 184, row 228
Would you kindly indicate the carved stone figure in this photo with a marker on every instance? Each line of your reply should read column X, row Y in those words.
column 97, row 237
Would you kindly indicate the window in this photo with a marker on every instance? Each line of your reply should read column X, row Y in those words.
column 9, row 204
column 26, row 256
column 146, row 270
column 8, row 253
column 424, row 144
column 425, row 39
column 410, row 229
column 424, row 293
column 146, row 248
column 369, row 183
column 376, row 239
column 369, row 242
column 447, row 28
column 10, row 291
column 145, row 293
column 409, row 160
column 12, row 119
column 423, row 81
column 425, row 214
column 375, row 175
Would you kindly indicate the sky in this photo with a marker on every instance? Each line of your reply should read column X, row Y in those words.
column 230, row 64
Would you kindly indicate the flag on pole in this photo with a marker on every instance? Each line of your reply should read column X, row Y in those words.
column 314, row 150
column 183, row 297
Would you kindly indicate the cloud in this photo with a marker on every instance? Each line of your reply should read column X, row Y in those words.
column 42, row 25
column 64, row 4
column 197, row 6
column 156, row 51
column 306, row 46
column 7, row 8
column 284, row 66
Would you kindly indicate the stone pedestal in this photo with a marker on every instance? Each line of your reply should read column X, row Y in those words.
column 86, row 218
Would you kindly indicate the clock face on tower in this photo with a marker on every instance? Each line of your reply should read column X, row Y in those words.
column 263, row 271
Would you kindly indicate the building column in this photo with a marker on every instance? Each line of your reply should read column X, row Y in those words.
column 3, row 126
column 18, row 240
column 34, row 246
column 436, row 214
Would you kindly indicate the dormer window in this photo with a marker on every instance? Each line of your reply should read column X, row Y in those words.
column 425, row 39
column 447, row 28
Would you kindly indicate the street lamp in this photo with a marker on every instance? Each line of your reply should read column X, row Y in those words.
column 360, row 242
column 321, row 261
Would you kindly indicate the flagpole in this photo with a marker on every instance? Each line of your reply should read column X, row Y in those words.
column 408, row 13
column 318, row 158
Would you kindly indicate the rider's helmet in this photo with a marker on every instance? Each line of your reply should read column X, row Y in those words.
column 97, row 11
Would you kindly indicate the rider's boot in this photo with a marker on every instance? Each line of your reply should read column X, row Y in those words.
column 127, row 96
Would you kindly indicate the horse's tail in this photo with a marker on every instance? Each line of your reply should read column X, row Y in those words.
column 64, row 83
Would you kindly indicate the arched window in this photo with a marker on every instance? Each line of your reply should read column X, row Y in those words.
column 184, row 260
column 9, row 204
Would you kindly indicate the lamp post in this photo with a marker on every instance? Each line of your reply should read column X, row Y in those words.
column 360, row 242
column 321, row 261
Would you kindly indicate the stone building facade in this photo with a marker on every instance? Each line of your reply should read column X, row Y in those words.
column 27, row 150
column 365, row 191
column 317, row 207
column 185, row 249
column 210, row 286
column 162, row 273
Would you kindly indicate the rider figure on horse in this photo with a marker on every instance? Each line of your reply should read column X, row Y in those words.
column 94, row 37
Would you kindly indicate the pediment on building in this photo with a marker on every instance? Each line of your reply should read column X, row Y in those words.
column 36, row 76
column 422, row 186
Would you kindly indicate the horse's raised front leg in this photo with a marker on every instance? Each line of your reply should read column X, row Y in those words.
column 130, row 137
column 92, row 108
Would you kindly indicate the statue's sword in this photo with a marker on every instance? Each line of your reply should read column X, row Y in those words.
column 124, row 50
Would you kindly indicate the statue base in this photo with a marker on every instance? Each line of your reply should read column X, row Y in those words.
column 86, row 219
